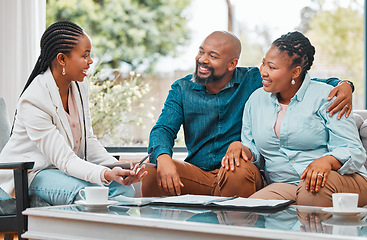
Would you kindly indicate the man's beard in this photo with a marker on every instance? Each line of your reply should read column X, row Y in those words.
column 209, row 79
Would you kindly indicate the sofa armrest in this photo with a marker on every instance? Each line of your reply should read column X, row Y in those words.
column 17, row 165
column 21, row 190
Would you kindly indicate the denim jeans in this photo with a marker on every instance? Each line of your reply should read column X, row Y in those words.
column 4, row 195
column 58, row 188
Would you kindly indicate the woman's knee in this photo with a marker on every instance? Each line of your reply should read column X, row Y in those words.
column 279, row 191
column 322, row 198
column 56, row 187
column 117, row 189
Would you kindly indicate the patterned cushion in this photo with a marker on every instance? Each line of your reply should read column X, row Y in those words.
column 8, row 206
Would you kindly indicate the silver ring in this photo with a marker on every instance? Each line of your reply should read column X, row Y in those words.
column 346, row 105
column 321, row 175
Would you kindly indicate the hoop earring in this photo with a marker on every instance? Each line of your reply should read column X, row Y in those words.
column 293, row 82
column 63, row 71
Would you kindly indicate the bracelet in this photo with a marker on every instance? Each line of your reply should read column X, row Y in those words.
column 347, row 81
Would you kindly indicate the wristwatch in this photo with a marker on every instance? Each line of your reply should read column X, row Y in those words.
column 349, row 82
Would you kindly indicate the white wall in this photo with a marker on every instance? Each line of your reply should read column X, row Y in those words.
column 22, row 23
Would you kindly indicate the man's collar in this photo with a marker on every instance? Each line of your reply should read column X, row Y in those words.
column 235, row 80
column 195, row 85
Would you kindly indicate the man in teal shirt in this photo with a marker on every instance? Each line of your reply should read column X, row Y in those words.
column 209, row 104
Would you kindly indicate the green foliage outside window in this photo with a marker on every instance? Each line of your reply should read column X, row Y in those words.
column 136, row 32
column 115, row 103
column 133, row 33
column 339, row 33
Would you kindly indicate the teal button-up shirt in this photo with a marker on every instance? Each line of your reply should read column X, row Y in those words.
column 210, row 121
column 307, row 132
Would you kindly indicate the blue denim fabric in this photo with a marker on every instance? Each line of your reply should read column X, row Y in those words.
column 58, row 188
column 4, row 195
column 210, row 121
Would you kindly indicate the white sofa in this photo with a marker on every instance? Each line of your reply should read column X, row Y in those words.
column 360, row 117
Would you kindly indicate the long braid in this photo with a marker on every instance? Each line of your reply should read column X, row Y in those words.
column 59, row 37
column 299, row 47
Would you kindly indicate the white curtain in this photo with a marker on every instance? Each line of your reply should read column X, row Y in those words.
column 22, row 23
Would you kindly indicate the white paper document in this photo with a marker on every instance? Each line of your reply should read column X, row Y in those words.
column 192, row 199
column 251, row 202
column 205, row 201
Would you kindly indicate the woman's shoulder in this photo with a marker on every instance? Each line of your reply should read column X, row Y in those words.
column 317, row 94
column 259, row 97
column 40, row 92
column 259, row 94
column 320, row 87
column 36, row 89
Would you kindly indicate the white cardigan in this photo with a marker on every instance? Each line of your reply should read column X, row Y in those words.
column 42, row 134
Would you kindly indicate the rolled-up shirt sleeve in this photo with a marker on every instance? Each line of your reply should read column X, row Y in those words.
column 344, row 143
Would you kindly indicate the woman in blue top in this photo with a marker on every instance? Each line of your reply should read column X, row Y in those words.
column 306, row 154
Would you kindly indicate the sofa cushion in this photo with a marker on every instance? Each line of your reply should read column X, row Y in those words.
column 358, row 119
column 363, row 133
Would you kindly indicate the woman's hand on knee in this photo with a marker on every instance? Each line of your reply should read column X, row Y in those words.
column 316, row 173
column 235, row 152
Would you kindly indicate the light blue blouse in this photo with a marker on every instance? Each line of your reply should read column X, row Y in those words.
column 306, row 133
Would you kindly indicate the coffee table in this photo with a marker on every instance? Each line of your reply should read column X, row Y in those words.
column 162, row 222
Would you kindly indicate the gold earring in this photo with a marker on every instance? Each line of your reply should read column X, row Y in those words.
column 63, row 71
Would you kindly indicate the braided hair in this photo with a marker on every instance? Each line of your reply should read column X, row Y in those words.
column 297, row 47
column 60, row 37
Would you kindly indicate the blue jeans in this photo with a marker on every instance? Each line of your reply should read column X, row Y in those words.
column 58, row 188
column 4, row 195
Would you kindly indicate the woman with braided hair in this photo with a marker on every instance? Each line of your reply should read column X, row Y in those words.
column 52, row 126
column 306, row 155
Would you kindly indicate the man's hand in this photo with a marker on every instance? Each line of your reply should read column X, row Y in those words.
column 235, row 152
column 167, row 176
column 342, row 102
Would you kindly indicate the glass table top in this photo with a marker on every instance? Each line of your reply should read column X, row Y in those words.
column 293, row 218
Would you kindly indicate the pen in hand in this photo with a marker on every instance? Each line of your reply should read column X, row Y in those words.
column 142, row 160
column 139, row 164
